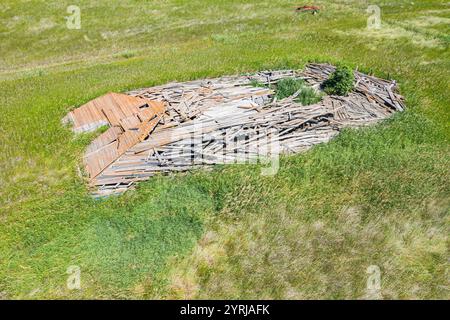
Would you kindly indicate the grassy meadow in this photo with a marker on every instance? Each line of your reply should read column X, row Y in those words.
column 374, row 196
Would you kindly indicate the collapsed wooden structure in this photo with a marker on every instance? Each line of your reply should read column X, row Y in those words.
column 180, row 126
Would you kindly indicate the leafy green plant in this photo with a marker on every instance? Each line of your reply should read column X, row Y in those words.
column 340, row 81
column 306, row 95
column 287, row 87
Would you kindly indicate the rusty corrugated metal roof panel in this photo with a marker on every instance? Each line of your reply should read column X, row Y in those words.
column 106, row 110
column 131, row 119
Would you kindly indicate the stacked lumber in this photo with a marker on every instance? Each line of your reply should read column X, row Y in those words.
column 227, row 120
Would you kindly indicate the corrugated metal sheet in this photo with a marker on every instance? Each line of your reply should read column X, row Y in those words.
column 131, row 119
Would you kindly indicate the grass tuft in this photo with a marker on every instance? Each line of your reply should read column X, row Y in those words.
column 287, row 87
column 308, row 96
column 127, row 54
column 305, row 94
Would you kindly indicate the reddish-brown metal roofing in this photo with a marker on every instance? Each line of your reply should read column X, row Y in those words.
column 131, row 119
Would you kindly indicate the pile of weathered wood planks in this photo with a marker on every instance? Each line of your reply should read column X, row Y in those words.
column 229, row 120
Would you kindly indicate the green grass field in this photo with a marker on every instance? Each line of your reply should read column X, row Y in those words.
column 375, row 196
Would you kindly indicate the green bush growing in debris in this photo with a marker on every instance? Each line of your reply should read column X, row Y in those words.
column 340, row 81
column 306, row 95
column 287, row 87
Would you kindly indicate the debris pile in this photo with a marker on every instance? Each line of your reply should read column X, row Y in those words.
column 228, row 120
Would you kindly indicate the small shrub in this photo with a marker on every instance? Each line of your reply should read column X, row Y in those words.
column 340, row 81
column 287, row 87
